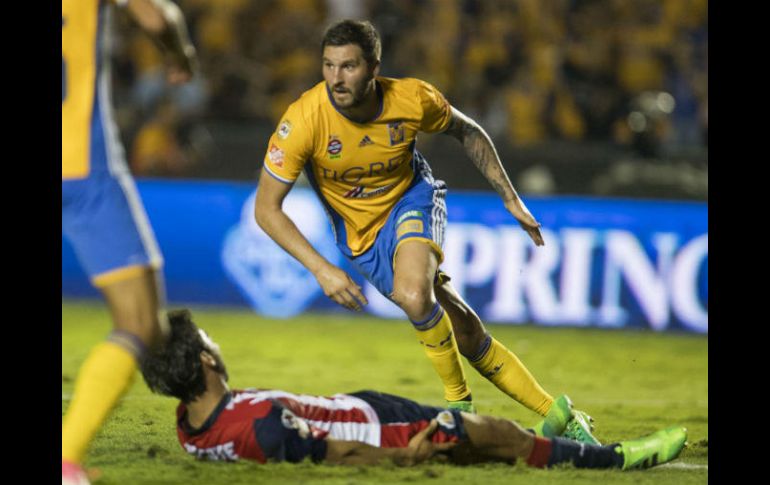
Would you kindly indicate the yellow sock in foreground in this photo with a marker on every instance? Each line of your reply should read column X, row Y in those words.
column 506, row 371
column 438, row 340
column 103, row 378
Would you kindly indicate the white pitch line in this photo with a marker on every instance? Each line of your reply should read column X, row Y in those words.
column 685, row 466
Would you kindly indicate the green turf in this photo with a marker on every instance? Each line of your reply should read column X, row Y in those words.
column 631, row 382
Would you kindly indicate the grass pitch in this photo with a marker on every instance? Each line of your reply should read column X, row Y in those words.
column 631, row 382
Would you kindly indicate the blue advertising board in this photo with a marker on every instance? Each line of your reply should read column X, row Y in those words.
column 606, row 262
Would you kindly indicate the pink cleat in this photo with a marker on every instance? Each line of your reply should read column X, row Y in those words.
column 73, row 474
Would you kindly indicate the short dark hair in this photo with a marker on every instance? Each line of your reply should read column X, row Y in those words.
column 175, row 368
column 359, row 32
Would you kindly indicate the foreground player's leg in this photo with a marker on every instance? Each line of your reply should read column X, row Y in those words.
column 499, row 439
column 110, row 367
column 415, row 265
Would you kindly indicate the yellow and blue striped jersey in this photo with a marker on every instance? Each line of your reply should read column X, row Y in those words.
column 360, row 170
column 82, row 23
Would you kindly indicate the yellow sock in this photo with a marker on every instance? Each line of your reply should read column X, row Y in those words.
column 506, row 371
column 103, row 378
column 438, row 340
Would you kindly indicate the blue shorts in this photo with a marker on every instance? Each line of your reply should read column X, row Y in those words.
column 104, row 220
column 420, row 214
column 103, row 216
column 401, row 418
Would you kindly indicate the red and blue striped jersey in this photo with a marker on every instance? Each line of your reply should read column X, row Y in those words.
column 275, row 425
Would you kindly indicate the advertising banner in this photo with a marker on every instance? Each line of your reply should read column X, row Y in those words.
column 606, row 262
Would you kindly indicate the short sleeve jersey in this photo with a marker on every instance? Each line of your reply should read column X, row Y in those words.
column 359, row 170
column 273, row 425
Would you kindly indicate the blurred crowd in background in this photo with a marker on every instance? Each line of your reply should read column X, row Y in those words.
column 606, row 97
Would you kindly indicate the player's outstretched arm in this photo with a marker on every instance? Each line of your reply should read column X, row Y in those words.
column 420, row 448
column 164, row 22
column 336, row 283
column 480, row 149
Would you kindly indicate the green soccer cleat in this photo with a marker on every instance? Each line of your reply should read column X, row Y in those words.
column 655, row 449
column 464, row 406
column 556, row 420
column 579, row 428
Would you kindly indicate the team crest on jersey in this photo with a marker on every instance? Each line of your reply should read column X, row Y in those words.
column 291, row 421
column 334, row 147
column 446, row 419
column 396, row 132
column 366, row 141
column 275, row 155
column 284, row 129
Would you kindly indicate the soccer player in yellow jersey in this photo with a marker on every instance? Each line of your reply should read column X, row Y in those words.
column 354, row 136
column 102, row 214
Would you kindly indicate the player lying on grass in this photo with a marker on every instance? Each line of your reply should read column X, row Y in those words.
column 363, row 427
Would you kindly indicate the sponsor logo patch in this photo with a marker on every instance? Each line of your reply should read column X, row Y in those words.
column 223, row 452
column 409, row 226
column 284, row 129
column 275, row 155
column 407, row 215
column 354, row 192
column 358, row 192
column 334, row 147
column 396, row 132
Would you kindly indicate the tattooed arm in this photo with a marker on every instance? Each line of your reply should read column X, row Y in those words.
column 480, row 149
